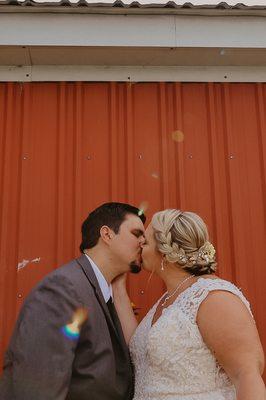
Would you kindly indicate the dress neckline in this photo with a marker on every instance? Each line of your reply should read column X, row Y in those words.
column 176, row 299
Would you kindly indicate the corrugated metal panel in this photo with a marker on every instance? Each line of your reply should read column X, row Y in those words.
column 65, row 148
column 201, row 4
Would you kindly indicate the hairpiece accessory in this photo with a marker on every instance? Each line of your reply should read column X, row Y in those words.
column 207, row 252
column 203, row 256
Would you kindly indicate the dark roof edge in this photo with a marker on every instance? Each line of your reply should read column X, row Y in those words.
column 118, row 7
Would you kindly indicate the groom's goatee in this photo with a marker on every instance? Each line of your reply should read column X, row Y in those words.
column 134, row 267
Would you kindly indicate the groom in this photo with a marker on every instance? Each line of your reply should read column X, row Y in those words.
column 68, row 343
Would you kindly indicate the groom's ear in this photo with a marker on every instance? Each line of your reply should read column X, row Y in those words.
column 106, row 234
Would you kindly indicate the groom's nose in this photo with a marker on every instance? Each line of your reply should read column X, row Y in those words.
column 142, row 240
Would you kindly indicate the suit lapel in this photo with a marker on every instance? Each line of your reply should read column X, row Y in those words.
column 88, row 271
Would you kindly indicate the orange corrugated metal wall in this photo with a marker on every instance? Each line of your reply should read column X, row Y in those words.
column 67, row 147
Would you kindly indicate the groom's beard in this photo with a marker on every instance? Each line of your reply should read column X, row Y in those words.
column 134, row 267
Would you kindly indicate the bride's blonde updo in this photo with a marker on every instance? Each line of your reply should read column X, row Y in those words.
column 183, row 238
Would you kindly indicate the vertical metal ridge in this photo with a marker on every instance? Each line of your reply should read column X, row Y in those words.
column 171, row 127
column 113, row 142
column 181, row 195
column 214, row 167
column 130, row 150
column 227, row 119
column 164, row 145
column 60, row 175
column 19, row 175
column 78, row 153
column 3, row 146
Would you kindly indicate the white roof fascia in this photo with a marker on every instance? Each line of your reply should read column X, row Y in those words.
column 39, row 29
column 44, row 73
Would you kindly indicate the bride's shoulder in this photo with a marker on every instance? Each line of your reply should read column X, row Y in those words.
column 213, row 282
column 221, row 287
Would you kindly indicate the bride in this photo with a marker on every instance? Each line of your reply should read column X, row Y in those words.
column 199, row 341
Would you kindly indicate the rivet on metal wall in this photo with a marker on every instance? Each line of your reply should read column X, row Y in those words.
column 190, row 156
column 140, row 156
column 231, row 156
column 142, row 292
column 88, row 157
column 19, row 295
column 24, row 157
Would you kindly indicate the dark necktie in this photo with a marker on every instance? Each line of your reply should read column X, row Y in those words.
column 118, row 328
column 113, row 314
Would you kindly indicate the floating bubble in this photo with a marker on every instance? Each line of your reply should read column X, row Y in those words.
column 143, row 208
column 178, row 136
column 72, row 330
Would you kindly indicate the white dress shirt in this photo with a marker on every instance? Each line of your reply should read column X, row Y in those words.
column 106, row 289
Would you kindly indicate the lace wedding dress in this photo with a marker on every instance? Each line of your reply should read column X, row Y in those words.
column 170, row 358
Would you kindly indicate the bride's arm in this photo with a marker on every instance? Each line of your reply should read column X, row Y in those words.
column 123, row 307
column 229, row 331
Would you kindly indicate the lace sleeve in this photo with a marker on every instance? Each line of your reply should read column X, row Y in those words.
column 195, row 295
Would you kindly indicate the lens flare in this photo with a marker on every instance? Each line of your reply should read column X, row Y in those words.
column 178, row 136
column 143, row 208
column 72, row 330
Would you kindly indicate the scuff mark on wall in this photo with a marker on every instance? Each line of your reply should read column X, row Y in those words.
column 23, row 263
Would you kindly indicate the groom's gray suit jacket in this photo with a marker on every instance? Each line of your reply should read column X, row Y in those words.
column 42, row 364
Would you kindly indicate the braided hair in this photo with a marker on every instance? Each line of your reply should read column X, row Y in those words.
column 182, row 237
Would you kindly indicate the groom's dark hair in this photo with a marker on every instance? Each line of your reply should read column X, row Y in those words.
column 109, row 214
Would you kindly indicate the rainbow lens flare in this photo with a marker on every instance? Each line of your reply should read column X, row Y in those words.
column 69, row 332
column 72, row 330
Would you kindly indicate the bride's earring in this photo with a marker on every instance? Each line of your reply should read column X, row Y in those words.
column 162, row 264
